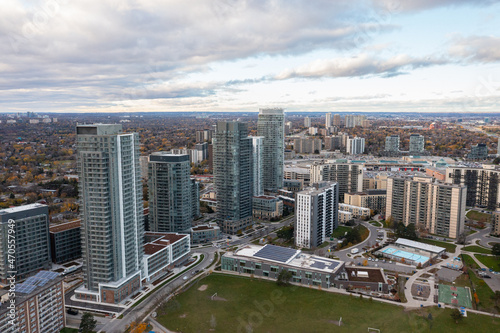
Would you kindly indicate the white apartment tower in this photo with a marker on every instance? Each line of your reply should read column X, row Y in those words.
column 257, row 165
column 328, row 121
column 355, row 146
column 317, row 214
column 112, row 212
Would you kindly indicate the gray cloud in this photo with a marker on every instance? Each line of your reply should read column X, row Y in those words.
column 482, row 49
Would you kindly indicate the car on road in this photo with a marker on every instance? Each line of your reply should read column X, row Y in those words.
column 185, row 278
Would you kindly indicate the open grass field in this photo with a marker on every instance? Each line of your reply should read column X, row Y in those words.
column 375, row 223
column 477, row 249
column 478, row 216
column 252, row 305
column 450, row 248
column 490, row 262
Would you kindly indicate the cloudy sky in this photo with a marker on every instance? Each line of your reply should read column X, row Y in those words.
column 231, row 55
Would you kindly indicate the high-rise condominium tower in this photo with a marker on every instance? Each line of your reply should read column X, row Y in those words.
column 434, row 207
column 392, row 144
column 417, row 143
column 271, row 126
column 257, row 165
column 328, row 121
column 170, row 197
column 112, row 212
column 233, row 175
column 317, row 214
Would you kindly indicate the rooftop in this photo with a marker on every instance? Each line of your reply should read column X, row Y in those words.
column 157, row 241
column 287, row 256
column 421, row 246
column 21, row 208
column 65, row 226
column 365, row 274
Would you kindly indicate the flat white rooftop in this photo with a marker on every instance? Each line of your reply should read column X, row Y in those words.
column 420, row 246
column 21, row 208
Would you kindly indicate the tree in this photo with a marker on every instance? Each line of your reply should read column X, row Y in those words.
column 495, row 250
column 284, row 278
column 456, row 315
column 461, row 239
column 285, row 233
column 88, row 323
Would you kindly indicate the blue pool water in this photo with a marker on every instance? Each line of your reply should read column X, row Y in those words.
column 406, row 255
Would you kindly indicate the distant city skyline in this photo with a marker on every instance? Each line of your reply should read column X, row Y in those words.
column 342, row 56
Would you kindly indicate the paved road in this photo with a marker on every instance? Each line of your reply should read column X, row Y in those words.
column 483, row 236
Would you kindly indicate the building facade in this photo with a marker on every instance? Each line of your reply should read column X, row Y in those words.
column 30, row 224
column 111, row 209
column 356, row 211
column 307, row 146
column 258, row 165
column 372, row 199
column 233, row 175
column 328, row 120
column 66, row 241
column 162, row 252
column 39, row 305
column 417, row 144
column 203, row 233
column 483, row 185
column 170, row 193
column 349, row 176
column 392, row 144
column 307, row 122
column 266, row 207
column 271, row 126
column 317, row 214
column 433, row 207
column 495, row 223
column 478, row 152
column 355, row 146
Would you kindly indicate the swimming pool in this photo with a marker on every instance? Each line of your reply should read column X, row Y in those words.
column 406, row 255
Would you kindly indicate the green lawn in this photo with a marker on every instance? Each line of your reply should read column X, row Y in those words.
column 483, row 291
column 375, row 223
column 252, row 305
column 340, row 231
column 469, row 262
column 69, row 330
column 478, row 216
column 450, row 248
column 489, row 261
column 477, row 249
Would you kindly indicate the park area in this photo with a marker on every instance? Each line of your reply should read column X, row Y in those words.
column 222, row 303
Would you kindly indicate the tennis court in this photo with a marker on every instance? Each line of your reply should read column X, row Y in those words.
column 396, row 253
column 457, row 296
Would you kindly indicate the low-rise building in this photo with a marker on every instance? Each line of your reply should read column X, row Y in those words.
column 294, row 185
column 38, row 305
column 306, row 270
column 205, row 233
column 162, row 252
column 345, row 217
column 65, row 241
column 356, row 211
column 267, row 207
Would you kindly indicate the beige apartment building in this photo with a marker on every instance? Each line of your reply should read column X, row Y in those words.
column 434, row 207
